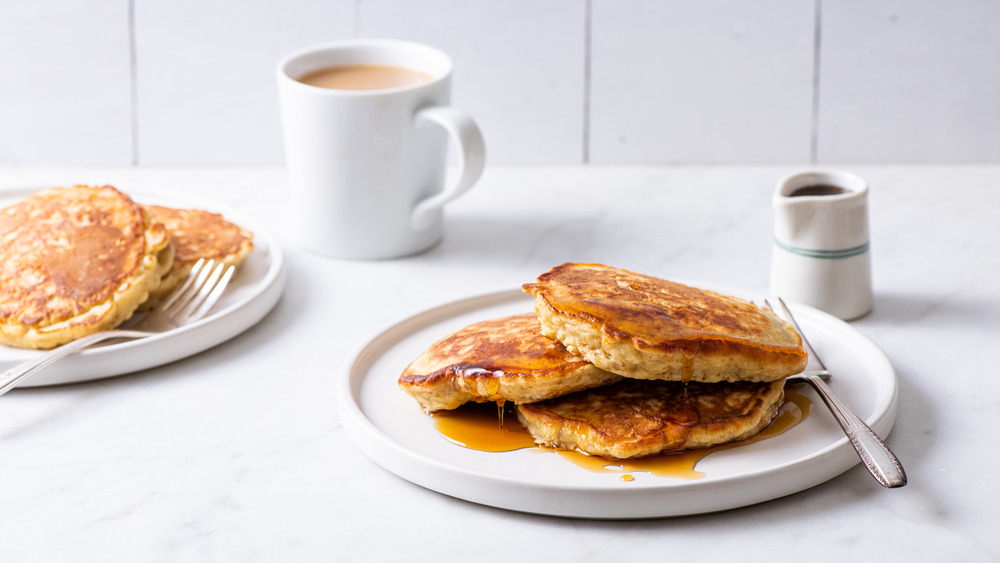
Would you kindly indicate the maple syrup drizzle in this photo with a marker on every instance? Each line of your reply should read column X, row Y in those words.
column 475, row 426
column 478, row 426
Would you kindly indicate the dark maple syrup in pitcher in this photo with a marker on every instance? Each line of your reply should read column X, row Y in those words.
column 818, row 189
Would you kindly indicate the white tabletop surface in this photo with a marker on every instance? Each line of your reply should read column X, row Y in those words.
column 238, row 454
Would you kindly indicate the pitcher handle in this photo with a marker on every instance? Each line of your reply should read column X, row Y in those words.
column 472, row 152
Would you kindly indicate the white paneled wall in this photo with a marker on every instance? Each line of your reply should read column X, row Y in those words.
column 206, row 79
column 65, row 82
column 707, row 81
column 910, row 81
column 550, row 81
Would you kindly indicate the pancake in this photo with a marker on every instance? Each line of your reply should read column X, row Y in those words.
column 197, row 234
column 498, row 360
column 76, row 261
column 635, row 418
column 648, row 328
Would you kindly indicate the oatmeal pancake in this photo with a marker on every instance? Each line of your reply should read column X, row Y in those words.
column 644, row 327
column 76, row 261
column 506, row 359
column 634, row 418
column 196, row 234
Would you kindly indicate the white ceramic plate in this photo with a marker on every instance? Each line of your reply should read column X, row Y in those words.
column 251, row 294
column 389, row 427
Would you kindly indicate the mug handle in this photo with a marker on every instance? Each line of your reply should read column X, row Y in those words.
column 472, row 151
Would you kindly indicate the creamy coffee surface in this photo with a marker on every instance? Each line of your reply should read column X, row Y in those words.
column 363, row 77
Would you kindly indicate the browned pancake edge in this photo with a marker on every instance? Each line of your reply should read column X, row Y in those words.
column 497, row 360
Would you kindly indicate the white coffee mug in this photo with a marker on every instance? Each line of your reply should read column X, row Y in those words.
column 821, row 254
column 367, row 167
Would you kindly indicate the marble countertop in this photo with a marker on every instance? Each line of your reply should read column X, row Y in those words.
column 238, row 453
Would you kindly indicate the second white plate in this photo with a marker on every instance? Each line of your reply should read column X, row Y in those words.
column 389, row 427
column 251, row 294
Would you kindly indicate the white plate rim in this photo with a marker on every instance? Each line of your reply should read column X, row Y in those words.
column 101, row 362
column 490, row 489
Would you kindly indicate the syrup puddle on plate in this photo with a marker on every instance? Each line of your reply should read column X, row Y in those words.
column 492, row 428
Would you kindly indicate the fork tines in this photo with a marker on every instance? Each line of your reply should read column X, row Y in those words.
column 200, row 290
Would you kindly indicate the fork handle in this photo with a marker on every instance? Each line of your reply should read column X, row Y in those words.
column 10, row 378
column 877, row 457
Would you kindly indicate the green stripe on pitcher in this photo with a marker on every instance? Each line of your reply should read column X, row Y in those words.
column 831, row 254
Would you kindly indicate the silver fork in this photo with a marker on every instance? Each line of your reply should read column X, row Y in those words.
column 877, row 457
column 189, row 302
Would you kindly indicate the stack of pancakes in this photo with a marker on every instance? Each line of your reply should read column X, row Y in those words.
column 79, row 260
column 618, row 364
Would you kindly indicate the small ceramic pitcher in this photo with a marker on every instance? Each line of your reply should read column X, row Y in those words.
column 821, row 251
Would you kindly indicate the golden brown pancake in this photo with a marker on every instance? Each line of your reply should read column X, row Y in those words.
column 634, row 418
column 197, row 234
column 497, row 360
column 648, row 328
column 76, row 261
